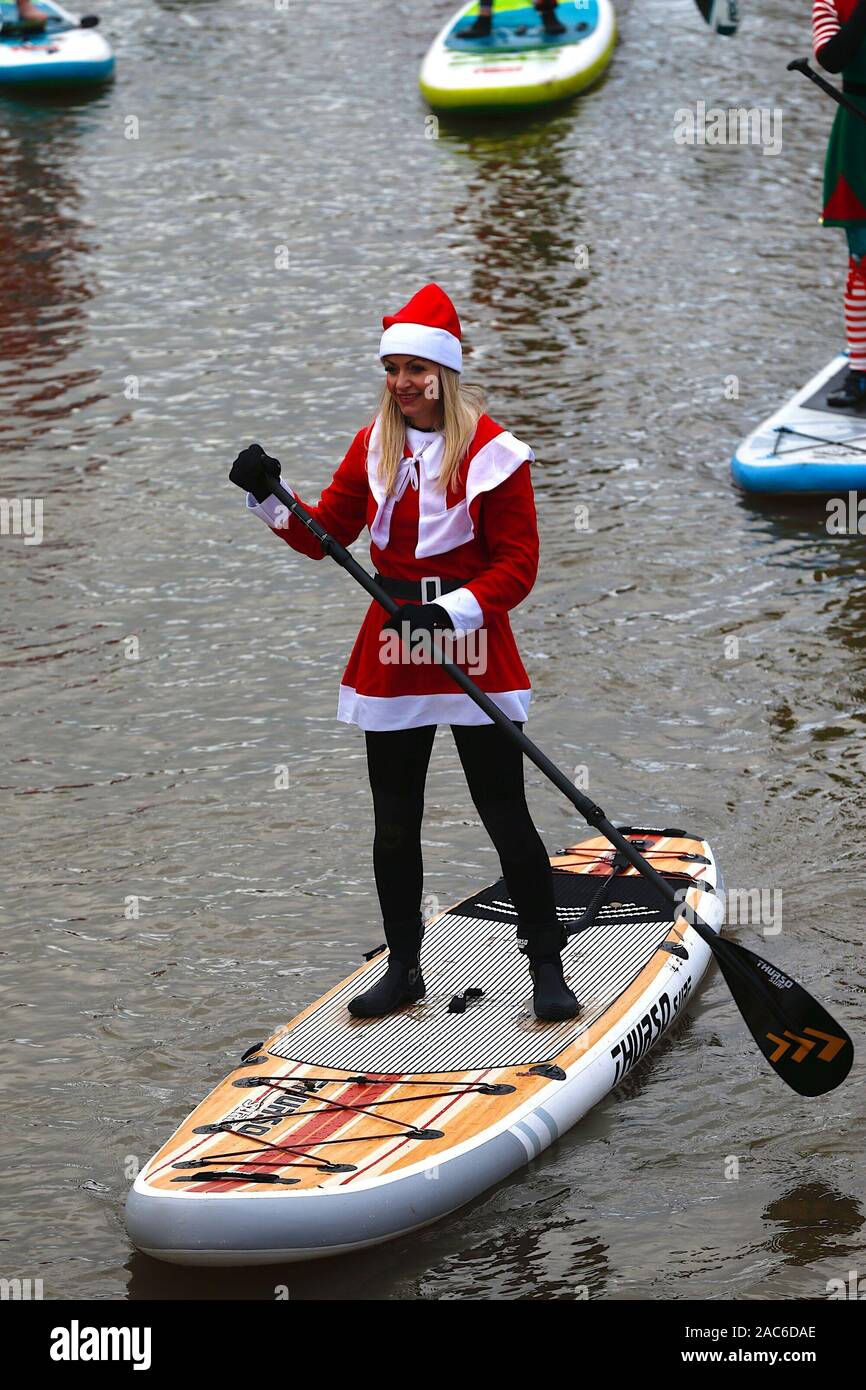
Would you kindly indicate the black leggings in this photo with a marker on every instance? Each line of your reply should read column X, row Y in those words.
column 397, row 760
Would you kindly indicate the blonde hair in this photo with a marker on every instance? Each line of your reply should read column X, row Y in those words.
column 461, row 407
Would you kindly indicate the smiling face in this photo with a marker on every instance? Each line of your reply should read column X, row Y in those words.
column 414, row 383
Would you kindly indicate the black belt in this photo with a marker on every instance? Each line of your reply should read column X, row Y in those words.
column 855, row 89
column 425, row 590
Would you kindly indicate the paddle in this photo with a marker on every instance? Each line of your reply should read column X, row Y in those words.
column 802, row 65
column 722, row 16
column 802, row 1043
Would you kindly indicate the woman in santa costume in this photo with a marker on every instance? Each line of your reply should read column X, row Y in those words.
column 447, row 496
column 839, row 43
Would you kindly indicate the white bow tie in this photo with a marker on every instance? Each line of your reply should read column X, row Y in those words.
column 408, row 474
column 409, row 469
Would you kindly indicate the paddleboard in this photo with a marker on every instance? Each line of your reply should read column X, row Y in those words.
column 723, row 16
column 59, row 55
column 340, row 1133
column 519, row 65
column 807, row 446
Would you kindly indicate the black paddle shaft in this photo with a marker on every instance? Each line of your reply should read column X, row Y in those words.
column 802, row 65
column 803, row 1044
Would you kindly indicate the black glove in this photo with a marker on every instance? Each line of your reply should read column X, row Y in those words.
column 844, row 47
column 254, row 471
column 421, row 617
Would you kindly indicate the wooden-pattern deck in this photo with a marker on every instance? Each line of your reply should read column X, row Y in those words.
column 303, row 1127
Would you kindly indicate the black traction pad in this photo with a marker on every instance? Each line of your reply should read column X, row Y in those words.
column 474, row 946
column 819, row 400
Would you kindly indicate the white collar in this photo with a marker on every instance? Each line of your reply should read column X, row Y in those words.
column 427, row 450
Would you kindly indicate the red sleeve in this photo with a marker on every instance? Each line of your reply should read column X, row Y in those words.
column 825, row 24
column 509, row 531
column 342, row 508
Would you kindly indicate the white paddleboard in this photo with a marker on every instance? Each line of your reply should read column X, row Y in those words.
column 806, row 446
column 339, row 1133
column 60, row 55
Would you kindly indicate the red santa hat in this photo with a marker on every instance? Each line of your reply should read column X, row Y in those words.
column 427, row 326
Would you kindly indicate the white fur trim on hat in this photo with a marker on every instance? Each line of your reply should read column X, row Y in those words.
column 417, row 340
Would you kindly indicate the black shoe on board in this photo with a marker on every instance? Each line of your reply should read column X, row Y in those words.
column 552, row 1000
column 851, row 395
column 552, row 25
column 401, row 984
column 481, row 29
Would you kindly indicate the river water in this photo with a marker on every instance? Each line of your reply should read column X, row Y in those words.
column 702, row 655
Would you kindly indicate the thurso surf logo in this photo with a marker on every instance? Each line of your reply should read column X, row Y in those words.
column 248, row 1119
column 775, row 976
column 640, row 1039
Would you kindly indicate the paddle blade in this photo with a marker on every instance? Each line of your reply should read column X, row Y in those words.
column 721, row 15
column 802, row 1043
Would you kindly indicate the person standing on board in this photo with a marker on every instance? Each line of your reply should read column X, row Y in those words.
column 839, row 45
column 483, row 25
column 447, row 496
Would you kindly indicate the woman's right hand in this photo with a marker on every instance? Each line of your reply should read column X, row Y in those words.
column 254, row 471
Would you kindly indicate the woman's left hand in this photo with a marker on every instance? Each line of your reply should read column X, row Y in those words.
column 421, row 617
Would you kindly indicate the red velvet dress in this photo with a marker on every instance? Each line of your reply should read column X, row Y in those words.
column 484, row 533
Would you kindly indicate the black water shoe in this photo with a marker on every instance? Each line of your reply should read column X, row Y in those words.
column 552, row 1000
column 401, row 984
column 851, row 395
column 481, row 29
column 552, row 25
